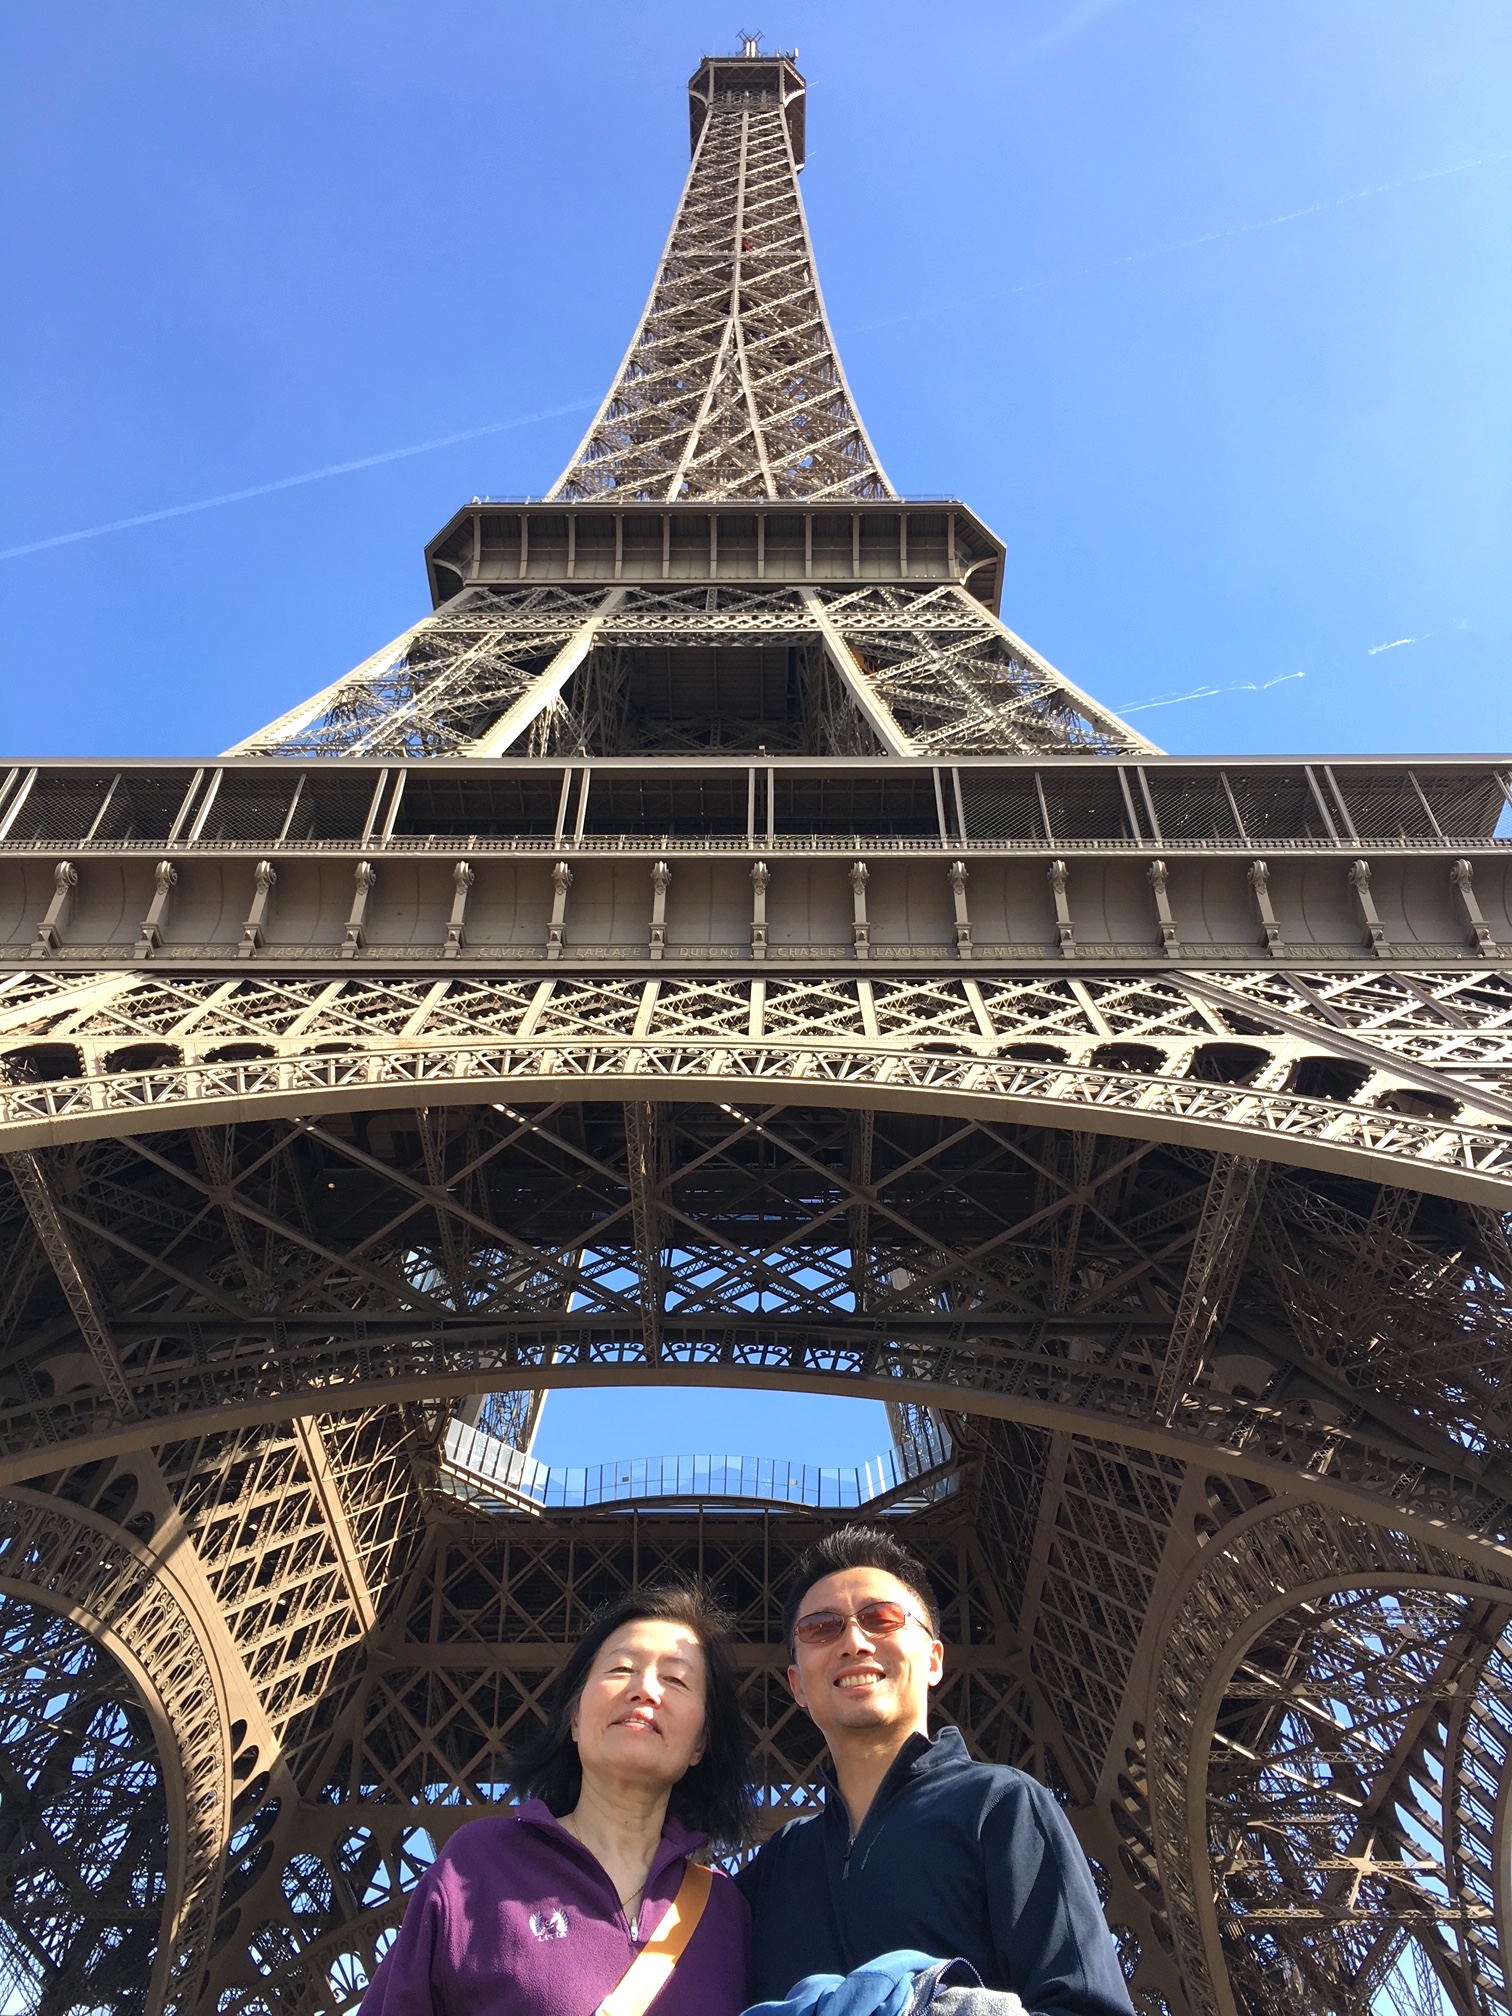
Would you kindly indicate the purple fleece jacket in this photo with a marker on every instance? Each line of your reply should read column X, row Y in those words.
column 515, row 1914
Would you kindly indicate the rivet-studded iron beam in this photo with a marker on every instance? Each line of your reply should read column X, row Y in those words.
column 732, row 385
column 1137, row 1131
column 552, row 670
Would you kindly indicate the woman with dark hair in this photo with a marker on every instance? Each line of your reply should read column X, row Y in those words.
column 588, row 1898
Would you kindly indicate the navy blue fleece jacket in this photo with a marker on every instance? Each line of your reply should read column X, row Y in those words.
column 959, row 1859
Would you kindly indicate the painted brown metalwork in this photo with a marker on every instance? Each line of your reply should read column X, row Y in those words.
column 711, row 948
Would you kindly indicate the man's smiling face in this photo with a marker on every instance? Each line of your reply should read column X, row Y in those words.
column 864, row 1681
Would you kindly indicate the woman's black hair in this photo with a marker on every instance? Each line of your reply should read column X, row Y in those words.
column 713, row 1796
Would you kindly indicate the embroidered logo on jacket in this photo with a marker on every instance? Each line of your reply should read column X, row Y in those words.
column 548, row 1924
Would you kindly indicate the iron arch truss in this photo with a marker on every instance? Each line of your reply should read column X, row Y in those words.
column 1334, row 1762
column 117, row 1779
column 710, row 946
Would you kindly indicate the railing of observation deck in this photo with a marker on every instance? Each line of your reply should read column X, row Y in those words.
column 475, row 1464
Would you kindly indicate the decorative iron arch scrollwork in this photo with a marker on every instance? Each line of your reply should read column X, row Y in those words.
column 1331, row 1725
column 113, row 1595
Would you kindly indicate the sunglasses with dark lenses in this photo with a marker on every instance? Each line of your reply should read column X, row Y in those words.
column 876, row 1620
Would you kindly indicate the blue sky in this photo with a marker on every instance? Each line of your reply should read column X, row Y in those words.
column 1263, row 462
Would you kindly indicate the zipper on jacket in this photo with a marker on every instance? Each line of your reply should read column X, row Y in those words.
column 887, row 1792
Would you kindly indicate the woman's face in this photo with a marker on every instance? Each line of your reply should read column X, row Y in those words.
column 641, row 1712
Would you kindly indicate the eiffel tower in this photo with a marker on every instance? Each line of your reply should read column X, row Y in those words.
column 712, row 949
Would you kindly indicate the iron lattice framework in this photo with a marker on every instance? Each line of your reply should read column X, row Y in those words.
column 732, row 385
column 712, row 949
column 889, row 669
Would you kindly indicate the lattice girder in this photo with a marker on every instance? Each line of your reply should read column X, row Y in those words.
column 373, row 1245
column 156, row 1699
column 732, row 385
column 1106, row 1562
column 983, row 1306
column 83, row 1816
column 1325, row 1764
column 953, row 678
column 944, row 1044
column 711, row 948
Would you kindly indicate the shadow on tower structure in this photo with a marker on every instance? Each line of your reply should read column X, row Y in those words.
column 711, row 948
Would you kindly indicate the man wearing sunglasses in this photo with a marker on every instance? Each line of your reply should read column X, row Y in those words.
column 917, row 1846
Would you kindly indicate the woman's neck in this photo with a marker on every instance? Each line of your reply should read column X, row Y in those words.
column 620, row 1825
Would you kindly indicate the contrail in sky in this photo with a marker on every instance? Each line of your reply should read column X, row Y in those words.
column 1184, row 245
column 1253, row 686
column 1206, row 693
column 884, row 322
column 291, row 482
column 1396, row 644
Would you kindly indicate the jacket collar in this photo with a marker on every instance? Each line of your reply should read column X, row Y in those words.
column 677, row 1841
column 920, row 1755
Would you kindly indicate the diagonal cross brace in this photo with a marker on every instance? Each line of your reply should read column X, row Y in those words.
column 1235, row 1192
column 343, row 1540
column 287, row 726
column 878, row 715
column 541, row 691
column 640, row 1160
column 73, row 1278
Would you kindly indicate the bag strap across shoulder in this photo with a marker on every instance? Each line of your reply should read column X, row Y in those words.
column 651, row 1969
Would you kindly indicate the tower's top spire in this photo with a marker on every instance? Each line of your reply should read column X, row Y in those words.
column 724, row 543
column 732, row 385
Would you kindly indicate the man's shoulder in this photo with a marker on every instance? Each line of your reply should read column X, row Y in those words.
column 727, row 1899
column 801, row 1833
column 1007, row 1781
column 966, row 1777
column 799, row 1837
column 1012, row 1814
column 803, row 1828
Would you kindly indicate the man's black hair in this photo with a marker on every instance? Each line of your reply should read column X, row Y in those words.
column 712, row 1796
column 859, row 1547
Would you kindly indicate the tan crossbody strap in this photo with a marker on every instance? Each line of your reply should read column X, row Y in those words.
column 651, row 1969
